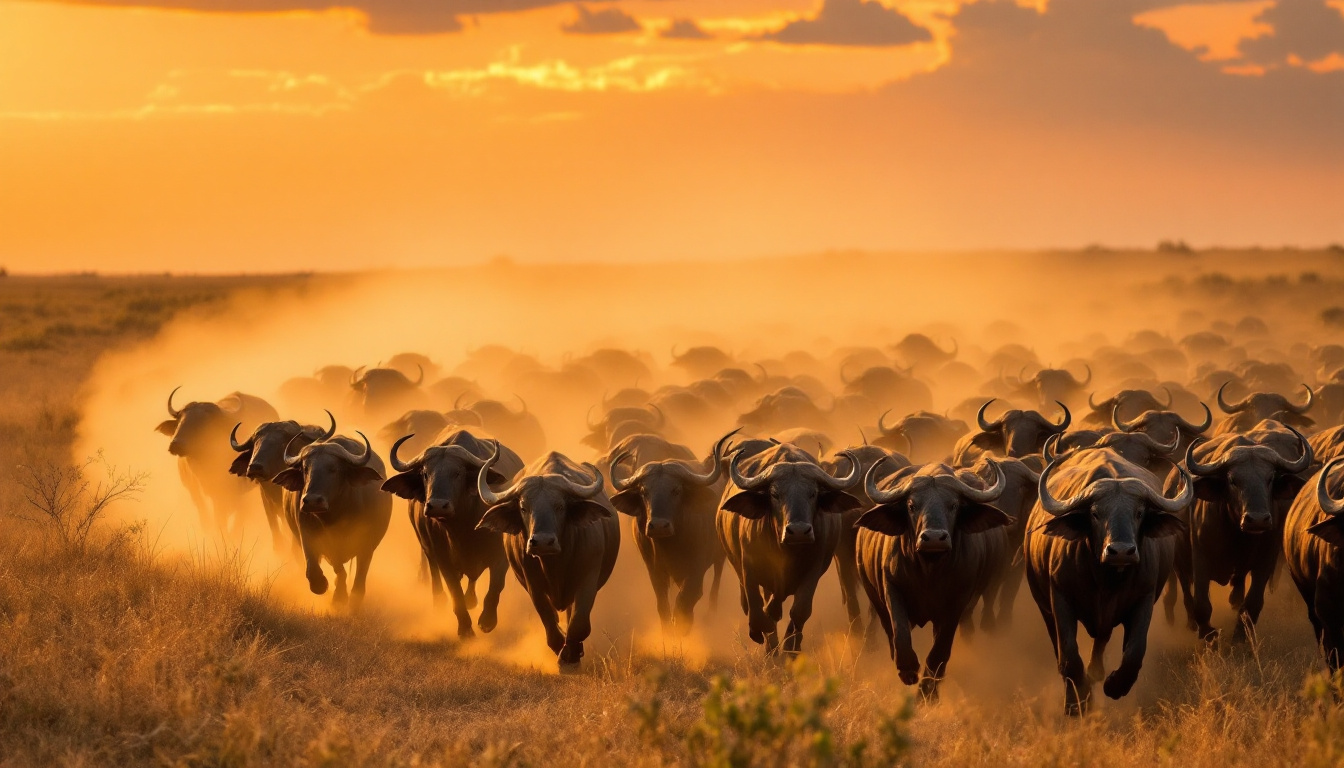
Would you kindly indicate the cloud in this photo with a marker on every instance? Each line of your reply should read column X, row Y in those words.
column 607, row 21
column 386, row 17
column 1304, row 31
column 631, row 74
column 852, row 22
column 684, row 29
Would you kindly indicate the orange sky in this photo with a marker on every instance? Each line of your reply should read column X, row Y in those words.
column 183, row 134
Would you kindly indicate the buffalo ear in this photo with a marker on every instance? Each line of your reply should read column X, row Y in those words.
column 628, row 502
column 701, row 498
column 1155, row 526
column 978, row 518
column 290, row 479
column 594, row 441
column 837, row 502
column 239, row 465
column 1208, row 489
column 752, row 505
column 585, row 511
column 989, row 441
column 407, row 485
column 168, row 427
column 365, row 475
column 1075, row 526
column 1286, row 487
column 504, row 518
column 890, row 519
column 1330, row 529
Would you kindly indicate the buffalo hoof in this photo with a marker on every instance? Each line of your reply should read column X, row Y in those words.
column 757, row 636
column 1117, row 685
column 465, row 632
column 1210, row 636
column 569, row 667
column 909, row 676
column 928, row 690
column 318, row 583
column 1096, row 672
column 488, row 622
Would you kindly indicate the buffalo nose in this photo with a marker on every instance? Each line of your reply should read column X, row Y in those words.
column 256, row 471
column 800, row 532
column 657, row 529
column 935, row 540
column 439, row 508
column 1256, row 523
column 1120, row 554
column 177, row 449
column 543, row 544
column 314, row 503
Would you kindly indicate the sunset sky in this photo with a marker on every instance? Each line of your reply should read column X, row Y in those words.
column 230, row 135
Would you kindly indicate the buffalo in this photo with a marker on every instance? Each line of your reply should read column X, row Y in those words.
column 922, row 436
column 1258, row 406
column 671, row 504
column 561, row 538
column 1165, row 426
column 381, row 392
column 925, row 553
column 1313, row 546
column 1127, row 403
column 1099, row 549
column 1015, row 434
column 262, row 456
column 846, row 566
column 444, row 509
column 1244, row 484
column 199, row 433
column 780, row 523
column 336, row 510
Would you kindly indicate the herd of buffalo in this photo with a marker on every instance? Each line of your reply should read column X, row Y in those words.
column 1100, row 499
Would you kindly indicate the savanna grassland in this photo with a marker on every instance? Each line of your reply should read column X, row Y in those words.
column 123, row 644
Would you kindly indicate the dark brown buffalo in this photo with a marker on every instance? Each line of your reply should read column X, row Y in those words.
column 1127, row 403
column 1165, row 426
column 336, row 510
column 561, row 537
column 780, row 523
column 1136, row 447
column 1327, row 446
column 1099, row 549
column 380, row 393
column 1244, row 484
column 262, row 456
column 671, row 503
column 199, row 433
column 1258, row 406
column 846, row 566
column 925, row 553
column 922, row 436
column 1313, row 545
column 1015, row 434
column 444, row 508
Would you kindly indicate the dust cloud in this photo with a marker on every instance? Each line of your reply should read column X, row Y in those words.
column 796, row 317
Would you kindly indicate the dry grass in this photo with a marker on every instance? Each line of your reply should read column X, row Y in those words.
column 118, row 653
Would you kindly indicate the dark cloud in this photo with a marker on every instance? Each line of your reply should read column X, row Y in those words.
column 1310, row 30
column 607, row 21
column 852, row 22
column 685, row 29
column 389, row 17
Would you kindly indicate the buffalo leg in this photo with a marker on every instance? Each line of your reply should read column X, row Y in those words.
column 799, row 613
column 580, row 624
column 1119, row 682
column 847, row 569
column 1077, row 689
column 490, row 606
column 317, row 580
column 362, row 562
column 469, row 594
column 1096, row 665
column 435, row 579
column 1012, row 582
column 1329, row 621
column 1169, row 597
column 760, row 627
column 902, row 647
column 714, row 588
column 661, row 586
column 550, row 619
column 1253, row 602
column 271, row 504
column 1202, row 609
column 935, row 664
column 340, row 596
column 454, row 583
column 683, row 615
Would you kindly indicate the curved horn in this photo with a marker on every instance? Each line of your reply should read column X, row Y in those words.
column 765, row 375
column 398, row 464
column 662, row 419
column 674, row 353
column 522, row 402
column 848, row 481
column 1191, row 463
column 988, row 494
column 844, row 379
column 1151, row 443
column 1170, row 398
column 588, row 420
column 457, row 401
column 1051, row 443
column 1098, row 406
column 882, row 425
column 590, row 490
column 1120, row 423
column 483, row 484
column 1302, row 462
column 355, row 374
column 421, row 379
column 955, row 349
column 331, row 430
column 1303, row 408
column 986, row 426
column 716, row 456
column 745, row 483
column 1223, row 404
column 358, row 459
column 1049, row 503
column 870, row 484
column 1328, row 505
column 176, row 414
column 233, row 440
column 1086, row 381
column 616, row 482
column 1172, row 506
column 1068, row 417
column 1197, row 428
column 238, row 404
column 289, row 458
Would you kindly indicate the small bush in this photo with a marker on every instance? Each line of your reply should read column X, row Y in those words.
column 63, row 499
